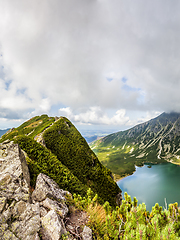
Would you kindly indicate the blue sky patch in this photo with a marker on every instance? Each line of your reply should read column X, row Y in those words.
column 7, row 84
column 141, row 99
column 21, row 91
column 124, row 80
column 56, row 107
column 130, row 89
column 109, row 79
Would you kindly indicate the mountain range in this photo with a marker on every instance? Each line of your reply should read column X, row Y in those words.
column 155, row 141
column 3, row 131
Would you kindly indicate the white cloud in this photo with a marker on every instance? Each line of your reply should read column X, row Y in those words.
column 147, row 117
column 43, row 106
column 63, row 53
column 94, row 115
column 9, row 123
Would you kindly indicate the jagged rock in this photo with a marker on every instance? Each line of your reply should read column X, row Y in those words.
column 87, row 233
column 2, row 203
column 14, row 173
column 43, row 211
column 7, row 213
column 27, row 230
column 12, row 161
column 19, row 208
column 25, row 219
column 46, row 187
column 60, row 208
column 52, row 227
column 25, row 216
column 6, row 234
column 39, row 138
column 19, row 218
column 25, row 211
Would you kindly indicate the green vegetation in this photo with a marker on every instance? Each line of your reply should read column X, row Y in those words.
column 32, row 127
column 130, row 220
column 155, row 141
column 121, row 159
column 41, row 160
column 67, row 159
column 64, row 140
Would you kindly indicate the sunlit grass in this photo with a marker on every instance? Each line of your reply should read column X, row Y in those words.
column 122, row 159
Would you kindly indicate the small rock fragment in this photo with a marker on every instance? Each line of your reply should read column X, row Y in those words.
column 87, row 233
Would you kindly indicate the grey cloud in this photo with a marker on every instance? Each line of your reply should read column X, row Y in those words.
column 10, row 114
column 64, row 51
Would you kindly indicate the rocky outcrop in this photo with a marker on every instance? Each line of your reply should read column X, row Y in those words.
column 87, row 233
column 14, row 173
column 26, row 216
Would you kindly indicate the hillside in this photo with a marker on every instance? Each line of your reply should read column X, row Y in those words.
column 50, row 213
column 154, row 141
column 54, row 146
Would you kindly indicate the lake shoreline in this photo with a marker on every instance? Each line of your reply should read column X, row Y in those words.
column 153, row 185
column 118, row 178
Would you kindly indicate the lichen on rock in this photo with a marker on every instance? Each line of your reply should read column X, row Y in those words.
column 23, row 215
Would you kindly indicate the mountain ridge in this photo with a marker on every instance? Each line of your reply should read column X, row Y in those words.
column 54, row 146
column 154, row 141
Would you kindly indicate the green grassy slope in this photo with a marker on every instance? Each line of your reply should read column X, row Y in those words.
column 155, row 141
column 31, row 128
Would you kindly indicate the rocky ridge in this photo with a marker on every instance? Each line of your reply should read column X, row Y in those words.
column 159, row 137
column 155, row 141
column 32, row 215
column 56, row 148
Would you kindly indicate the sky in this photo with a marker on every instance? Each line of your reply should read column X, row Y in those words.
column 104, row 64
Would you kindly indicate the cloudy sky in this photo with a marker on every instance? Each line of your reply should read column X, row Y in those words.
column 101, row 63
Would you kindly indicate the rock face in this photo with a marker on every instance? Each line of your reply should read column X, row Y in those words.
column 46, row 187
column 14, row 173
column 24, row 215
column 15, row 205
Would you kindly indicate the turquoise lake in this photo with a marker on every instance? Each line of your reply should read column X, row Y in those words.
column 152, row 185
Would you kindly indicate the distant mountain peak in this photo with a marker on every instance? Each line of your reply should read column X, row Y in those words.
column 154, row 141
column 2, row 132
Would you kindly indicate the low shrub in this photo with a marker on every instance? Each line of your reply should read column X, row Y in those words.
column 64, row 140
column 41, row 160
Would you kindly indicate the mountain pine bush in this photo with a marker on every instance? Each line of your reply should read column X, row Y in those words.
column 64, row 141
column 130, row 220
